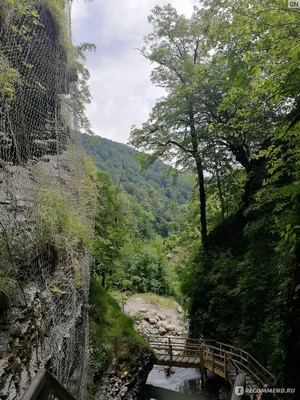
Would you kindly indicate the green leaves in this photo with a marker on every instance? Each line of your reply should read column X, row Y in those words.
column 9, row 78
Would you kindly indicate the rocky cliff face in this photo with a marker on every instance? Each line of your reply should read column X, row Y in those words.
column 125, row 385
column 43, row 314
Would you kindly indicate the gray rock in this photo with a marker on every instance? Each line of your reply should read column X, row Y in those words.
column 149, row 315
column 152, row 321
column 123, row 391
column 164, row 324
column 170, row 327
column 162, row 331
column 143, row 310
column 162, row 317
column 179, row 309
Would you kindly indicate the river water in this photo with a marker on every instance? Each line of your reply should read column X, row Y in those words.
column 184, row 384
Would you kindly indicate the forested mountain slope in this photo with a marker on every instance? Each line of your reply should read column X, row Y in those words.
column 154, row 189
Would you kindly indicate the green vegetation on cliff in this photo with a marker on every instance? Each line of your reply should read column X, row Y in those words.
column 112, row 335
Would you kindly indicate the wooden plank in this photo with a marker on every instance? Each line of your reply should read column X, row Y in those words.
column 216, row 363
column 177, row 339
column 215, row 355
column 216, row 370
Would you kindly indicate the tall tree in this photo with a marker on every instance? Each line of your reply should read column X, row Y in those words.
column 109, row 229
column 173, row 130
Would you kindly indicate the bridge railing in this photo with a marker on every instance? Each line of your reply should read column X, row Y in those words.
column 215, row 359
column 216, row 356
column 44, row 385
column 246, row 361
column 239, row 370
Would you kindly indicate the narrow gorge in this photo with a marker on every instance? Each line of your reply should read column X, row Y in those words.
column 149, row 200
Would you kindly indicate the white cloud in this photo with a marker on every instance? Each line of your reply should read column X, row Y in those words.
column 80, row 12
column 120, row 84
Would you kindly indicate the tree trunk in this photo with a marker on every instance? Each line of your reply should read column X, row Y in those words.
column 202, row 197
column 219, row 186
column 200, row 178
column 103, row 279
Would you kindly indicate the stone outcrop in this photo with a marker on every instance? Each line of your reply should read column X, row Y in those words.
column 127, row 385
column 45, row 318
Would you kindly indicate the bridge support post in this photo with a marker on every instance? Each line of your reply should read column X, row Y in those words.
column 202, row 367
column 170, row 353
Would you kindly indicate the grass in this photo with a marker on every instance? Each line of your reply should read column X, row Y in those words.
column 112, row 334
column 151, row 298
column 158, row 301
column 118, row 296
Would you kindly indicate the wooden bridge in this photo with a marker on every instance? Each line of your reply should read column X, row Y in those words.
column 222, row 359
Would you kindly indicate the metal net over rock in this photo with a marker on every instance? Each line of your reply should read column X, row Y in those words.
column 47, row 201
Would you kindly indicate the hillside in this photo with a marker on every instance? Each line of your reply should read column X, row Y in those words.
column 153, row 188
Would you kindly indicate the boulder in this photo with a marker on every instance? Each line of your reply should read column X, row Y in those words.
column 162, row 331
column 162, row 317
column 152, row 321
column 164, row 324
column 149, row 316
column 143, row 310
column 170, row 327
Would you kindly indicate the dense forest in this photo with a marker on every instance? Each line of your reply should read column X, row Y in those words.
column 230, row 116
column 139, row 216
column 151, row 190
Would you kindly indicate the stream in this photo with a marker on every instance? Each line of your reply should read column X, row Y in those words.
column 184, row 384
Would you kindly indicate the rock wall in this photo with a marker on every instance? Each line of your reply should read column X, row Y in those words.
column 44, row 320
column 125, row 385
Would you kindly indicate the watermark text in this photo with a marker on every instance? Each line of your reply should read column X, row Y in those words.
column 293, row 4
column 240, row 390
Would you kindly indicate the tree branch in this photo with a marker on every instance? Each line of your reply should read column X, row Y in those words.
column 170, row 141
column 196, row 51
column 163, row 64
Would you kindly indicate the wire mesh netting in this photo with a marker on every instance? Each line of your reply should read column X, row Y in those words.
column 46, row 202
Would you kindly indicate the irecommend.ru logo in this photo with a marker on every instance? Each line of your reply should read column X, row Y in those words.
column 239, row 390
column 293, row 4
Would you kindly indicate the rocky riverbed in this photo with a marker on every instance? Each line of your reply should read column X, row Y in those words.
column 154, row 319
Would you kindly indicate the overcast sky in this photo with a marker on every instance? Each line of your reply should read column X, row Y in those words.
column 120, row 85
